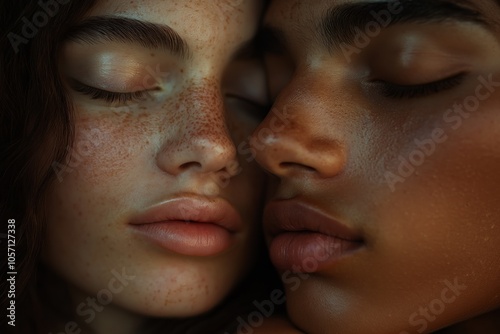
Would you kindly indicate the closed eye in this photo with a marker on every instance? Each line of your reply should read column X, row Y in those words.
column 396, row 91
column 113, row 98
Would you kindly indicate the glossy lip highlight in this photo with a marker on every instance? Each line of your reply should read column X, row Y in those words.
column 193, row 226
column 304, row 239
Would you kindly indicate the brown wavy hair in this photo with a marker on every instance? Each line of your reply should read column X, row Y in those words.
column 36, row 126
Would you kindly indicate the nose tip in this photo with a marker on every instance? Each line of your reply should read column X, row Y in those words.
column 296, row 150
column 210, row 155
column 286, row 157
column 197, row 151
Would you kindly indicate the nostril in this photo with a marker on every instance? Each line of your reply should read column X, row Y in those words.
column 188, row 165
column 294, row 165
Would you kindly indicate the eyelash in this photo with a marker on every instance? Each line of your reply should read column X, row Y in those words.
column 396, row 91
column 110, row 97
column 123, row 98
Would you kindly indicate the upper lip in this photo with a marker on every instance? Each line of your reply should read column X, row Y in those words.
column 295, row 216
column 196, row 209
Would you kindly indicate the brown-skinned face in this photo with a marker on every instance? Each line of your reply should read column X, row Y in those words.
column 385, row 142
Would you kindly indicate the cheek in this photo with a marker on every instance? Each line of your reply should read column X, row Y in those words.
column 440, row 219
column 441, row 204
column 111, row 144
column 108, row 151
column 106, row 145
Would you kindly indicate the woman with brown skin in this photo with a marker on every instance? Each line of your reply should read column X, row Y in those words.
column 120, row 121
column 385, row 143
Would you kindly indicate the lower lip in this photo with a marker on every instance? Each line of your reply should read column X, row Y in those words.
column 187, row 238
column 308, row 252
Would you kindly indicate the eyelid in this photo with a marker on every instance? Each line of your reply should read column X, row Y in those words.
column 117, row 67
column 109, row 96
column 393, row 90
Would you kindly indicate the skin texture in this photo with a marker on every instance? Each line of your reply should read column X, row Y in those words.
column 340, row 139
column 176, row 142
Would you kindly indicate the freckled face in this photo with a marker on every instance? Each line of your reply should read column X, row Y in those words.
column 154, row 124
column 399, row 140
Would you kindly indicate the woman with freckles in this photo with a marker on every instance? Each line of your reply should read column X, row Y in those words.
column 120, row 121
column 384, row 214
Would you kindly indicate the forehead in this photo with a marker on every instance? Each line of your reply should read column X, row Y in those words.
column 323, row 25
column 190, row 18
column 289, row 15
column 159, row 8
column 299, row 9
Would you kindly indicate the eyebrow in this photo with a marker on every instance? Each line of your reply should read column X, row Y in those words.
column 341, row 24
column 100, row 29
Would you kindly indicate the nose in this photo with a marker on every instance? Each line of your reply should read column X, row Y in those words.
column 201, row 141
column 299, row 137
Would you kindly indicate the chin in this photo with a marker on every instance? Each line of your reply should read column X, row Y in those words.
column 179, row 293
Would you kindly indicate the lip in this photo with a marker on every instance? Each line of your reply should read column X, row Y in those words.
column 193, row 226
column 305, row 239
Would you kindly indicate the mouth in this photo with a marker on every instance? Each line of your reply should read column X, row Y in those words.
column 192, row 226
column 306, row 240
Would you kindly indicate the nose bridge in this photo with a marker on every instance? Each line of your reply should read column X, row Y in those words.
column 313, row 111
column 205, row 116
